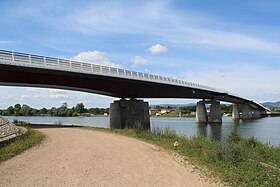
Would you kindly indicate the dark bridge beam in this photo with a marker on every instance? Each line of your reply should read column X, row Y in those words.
column 19, row 69
column 105, row 85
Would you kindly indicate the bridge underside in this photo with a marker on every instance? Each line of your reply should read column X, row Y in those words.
column 105, row 85
column 121, row 88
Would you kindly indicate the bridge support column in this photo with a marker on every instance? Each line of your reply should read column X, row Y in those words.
column 215, row 112
column 246, row 112
column 129, row 114
column 256, row 114
column 201, row 114
column 235, row 111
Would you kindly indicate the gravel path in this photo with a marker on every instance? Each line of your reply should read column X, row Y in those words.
column 79, row 157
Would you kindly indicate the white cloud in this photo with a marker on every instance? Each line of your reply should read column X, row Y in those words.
column 44, row 97
column 95, row 57
column 137, row 60
column 249, row 81
column 222, row 39
column 59, row 96
column 2, row 42
column 157, row 49
column 159, row 21
column 100, row 19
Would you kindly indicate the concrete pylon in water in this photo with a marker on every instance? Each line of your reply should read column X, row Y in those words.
column 201, row 113
column 256, row 114
column 235, row 112
column 129, row 114
column 246, row 112
column 215, row 115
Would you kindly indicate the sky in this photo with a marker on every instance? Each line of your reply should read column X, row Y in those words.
column 232, row 45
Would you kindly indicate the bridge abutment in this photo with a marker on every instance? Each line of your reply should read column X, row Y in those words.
column 129, row 114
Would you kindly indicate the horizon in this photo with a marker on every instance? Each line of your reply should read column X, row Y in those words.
column 229, row 45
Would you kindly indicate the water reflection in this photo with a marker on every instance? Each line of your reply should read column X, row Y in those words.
column 202, row 129
column 216, row 131
column 212, row 131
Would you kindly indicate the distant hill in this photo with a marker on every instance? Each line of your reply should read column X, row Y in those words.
column 272, row 104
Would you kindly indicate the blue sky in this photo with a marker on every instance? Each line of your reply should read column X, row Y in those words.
column 234, row 45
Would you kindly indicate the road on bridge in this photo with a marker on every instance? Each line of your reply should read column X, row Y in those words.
column 80, row 157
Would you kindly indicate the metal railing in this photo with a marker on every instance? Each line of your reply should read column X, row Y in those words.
column 22, row 59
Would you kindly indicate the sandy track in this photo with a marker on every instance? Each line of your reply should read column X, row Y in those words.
column 78, row 157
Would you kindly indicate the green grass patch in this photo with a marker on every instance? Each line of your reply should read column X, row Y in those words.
column 16, row 146
column 237, row 162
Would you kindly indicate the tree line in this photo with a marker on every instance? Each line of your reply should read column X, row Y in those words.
column 225, row 109
column 64, row 110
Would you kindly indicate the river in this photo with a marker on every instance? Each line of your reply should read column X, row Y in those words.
column 266, row 129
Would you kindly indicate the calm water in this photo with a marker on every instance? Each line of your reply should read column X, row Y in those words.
column 265, row 129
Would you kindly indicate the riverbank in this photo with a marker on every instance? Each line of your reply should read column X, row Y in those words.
column 238, row 162
column 18, row 145
column 82, row 157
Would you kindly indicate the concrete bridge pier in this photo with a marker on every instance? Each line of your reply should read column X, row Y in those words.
column 131, row 113
column 215, row 112
column 201, row 113
column 235, row 111
column 256, row 114
column 246, row 112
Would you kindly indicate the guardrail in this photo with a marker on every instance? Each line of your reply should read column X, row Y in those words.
column 28, row 60
column 70, row 65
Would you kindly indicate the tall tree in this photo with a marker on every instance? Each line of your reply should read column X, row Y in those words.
column 80, row 108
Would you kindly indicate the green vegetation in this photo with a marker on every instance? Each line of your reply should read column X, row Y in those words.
column 20, row 144
column 226, row 109
column 171, row 114
column 18, row 122
column 187, row 111
column 25, row 110
column 238, row 161
column 275, row 109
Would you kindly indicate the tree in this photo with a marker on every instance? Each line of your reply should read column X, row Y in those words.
column 26, row 110
column 43, row 111
column 70, row 112
column 187, row 109
column 53, row 111
column 10, row 110
column 80, row 108
column 17, row 109
column 226, row 109
column 62, row 111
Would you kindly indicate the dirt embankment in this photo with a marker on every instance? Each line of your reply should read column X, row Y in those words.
column 78, row 157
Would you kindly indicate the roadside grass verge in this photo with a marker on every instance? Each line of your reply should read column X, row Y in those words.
column 237, row 162
column 16, row 146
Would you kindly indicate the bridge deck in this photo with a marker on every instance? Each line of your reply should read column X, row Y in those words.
column 21, row 69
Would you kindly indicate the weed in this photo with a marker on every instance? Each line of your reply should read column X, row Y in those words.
column 20, row 144
column 238, row 161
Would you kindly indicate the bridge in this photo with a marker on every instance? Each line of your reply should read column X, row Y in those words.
column 20, row 69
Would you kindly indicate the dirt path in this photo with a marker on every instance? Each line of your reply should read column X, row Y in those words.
column 78, row 157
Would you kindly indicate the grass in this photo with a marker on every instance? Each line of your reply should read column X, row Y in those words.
column 237, row 162
column 18, row 122
column 16, row 146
